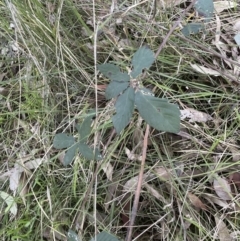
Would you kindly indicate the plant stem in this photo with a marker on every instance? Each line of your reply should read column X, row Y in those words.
column 173, row 28
column 140, row 177
column 139, row 186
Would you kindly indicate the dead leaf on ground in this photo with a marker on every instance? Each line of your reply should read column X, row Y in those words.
column 11, row 204
column 214, row 199
column 236, row 26
column 110, row 194
column 34, row 164
column 222, row 230
column 99, row 217
column 231, row 74
column 15, row 177
column 125, row 212
column 235, row 179
column 50, row 7
column 235, row 153
column 222, row 188
column 222, row 47
column 6, row 175
column 188, row 136
column 194, row 115
column 204, row 70
column 1, row 78
column 236, row 69
column 163, row 173
column 131, row 156
column 155, row 193
column 168, row 3
column 196, row 201
column 167, row 150
column 188, row 219
column 235, row 235
column 220, row 6
column 108, row 169
column 23, row 187
column 19, row 169
column 60, row 157
column 131, row 184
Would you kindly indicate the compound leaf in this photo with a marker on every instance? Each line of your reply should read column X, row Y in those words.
column 115, row 88
column 104, row 236
column 205, row 8
column 124, row 109
column 192, row 28
column 85, row 128
column 113, row 72
column 63, row 140
column 88, row 153
column 143, row 58
column 72, row 236
column 70, row 154
column 158, row 113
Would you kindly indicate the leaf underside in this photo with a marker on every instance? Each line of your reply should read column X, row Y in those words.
column 115, row 88
column 113, row 72
column 63, row 140
column 143, row 58
column 158, row 113
column 104, row 236
column 124, row 109
column 72, row 236
column 205, row 8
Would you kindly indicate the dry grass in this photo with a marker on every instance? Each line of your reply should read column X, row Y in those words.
column 47, row 84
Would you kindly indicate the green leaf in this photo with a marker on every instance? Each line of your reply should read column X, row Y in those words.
column 113, row 72
column 70, row 154
column 72, row 236
column 85, row 128
column 158, row 113
column 88, row 153
column 124, row 109
column 63, row 140
column 205, row 8
column 192, row 28
column 143, row 58
column 115, row 88
column 104, row 236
